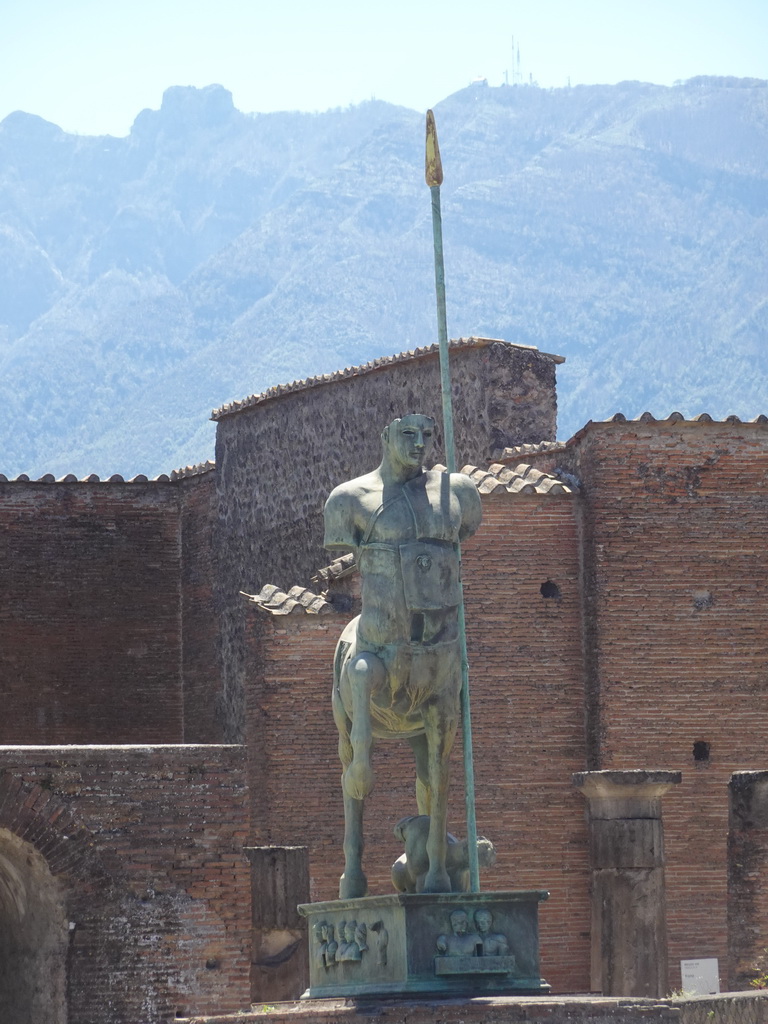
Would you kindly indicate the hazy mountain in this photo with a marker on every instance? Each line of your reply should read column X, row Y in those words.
column 210, row 254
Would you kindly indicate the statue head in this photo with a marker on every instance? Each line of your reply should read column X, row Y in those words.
column 407, row 441
column 459, row 922
column 483, row 920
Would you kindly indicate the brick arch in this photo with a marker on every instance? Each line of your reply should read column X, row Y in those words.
column 50, row 868
column 34, row 935
column 35, row 814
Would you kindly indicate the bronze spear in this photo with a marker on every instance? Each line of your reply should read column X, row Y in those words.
column 434, row 176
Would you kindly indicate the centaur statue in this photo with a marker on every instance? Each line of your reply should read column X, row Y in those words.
column 397, row 673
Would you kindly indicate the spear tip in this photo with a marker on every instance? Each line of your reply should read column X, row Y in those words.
column 433, row 165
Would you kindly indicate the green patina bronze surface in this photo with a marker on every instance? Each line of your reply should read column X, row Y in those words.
column 434, row 178
column 470, row 944
column 398, row 665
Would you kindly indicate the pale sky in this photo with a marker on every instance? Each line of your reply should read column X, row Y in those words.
column 90, row 66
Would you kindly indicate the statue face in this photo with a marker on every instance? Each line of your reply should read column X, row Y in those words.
column 410, row 440
column 483, row 920
column 459, row 922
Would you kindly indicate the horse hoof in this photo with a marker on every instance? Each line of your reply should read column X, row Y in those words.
column 352, row 886
column 358, row 781
column 437, row 881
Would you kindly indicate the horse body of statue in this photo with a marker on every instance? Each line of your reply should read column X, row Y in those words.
column 397, row 671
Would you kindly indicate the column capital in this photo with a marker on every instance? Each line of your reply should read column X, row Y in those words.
column 625, row 794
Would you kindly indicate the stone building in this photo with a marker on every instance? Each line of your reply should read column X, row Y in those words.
column 159, row 728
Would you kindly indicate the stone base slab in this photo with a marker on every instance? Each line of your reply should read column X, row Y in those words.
column 728, row 1008
column 427, row 944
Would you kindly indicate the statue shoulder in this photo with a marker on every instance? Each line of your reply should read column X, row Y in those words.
column 469, row 499
column 345, row 512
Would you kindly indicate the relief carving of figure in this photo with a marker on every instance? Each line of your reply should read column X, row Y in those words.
column 382, row 937
column 397, row 672
column 461, row 941
column 325, row 945
column 353, row 941
column 493, row 943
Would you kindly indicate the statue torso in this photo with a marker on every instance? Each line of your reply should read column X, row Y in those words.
column 408, row 561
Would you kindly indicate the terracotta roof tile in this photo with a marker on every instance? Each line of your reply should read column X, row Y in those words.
column 339, row 567
column 355, row 371
column 298, row 599
column 197, row 470
column 674, row 417
column 116, row 478
column 525, row 450
column 520, row 479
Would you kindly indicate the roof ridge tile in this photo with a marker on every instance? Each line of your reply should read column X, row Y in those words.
column 274, row 601
column 197, row 470
column 520, row 479
column 473, row 341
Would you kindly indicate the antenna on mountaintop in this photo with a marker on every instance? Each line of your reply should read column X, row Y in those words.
column 434, row 177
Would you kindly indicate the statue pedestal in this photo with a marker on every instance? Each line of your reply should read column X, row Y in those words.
column 442, row 944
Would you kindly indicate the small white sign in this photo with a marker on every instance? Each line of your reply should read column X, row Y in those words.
column 700, row 977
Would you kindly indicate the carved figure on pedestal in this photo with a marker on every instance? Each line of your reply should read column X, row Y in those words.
column 382, row 941
column 493, row 943
column 410, row 869
column 352, row 941
column 397, row 671
column 325, row 945
column 461, row 941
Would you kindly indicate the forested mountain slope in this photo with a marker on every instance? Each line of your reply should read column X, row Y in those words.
column 211, row 254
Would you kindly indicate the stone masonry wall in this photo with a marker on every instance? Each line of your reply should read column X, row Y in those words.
column 675, row 578
column 278, row 460
column 526, row 682
column 145, row 844
column 90, row 612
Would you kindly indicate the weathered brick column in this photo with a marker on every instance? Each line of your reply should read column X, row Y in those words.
column 629, row 927
column 279, row 882
column 747, row 878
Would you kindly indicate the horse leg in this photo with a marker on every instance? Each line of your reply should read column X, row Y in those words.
column 440, row 729
column 365, row 672
column 353, row 882
column 421, row 755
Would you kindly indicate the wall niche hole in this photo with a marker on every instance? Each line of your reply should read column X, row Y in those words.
column 702, row 599
column 550, row 590
column 700, row 750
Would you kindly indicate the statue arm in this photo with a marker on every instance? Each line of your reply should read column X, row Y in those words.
column 339, row 516
column 469, row 500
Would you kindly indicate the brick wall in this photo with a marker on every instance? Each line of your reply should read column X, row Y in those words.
column 200, row 649
column 146, row 846
column 676, row 577
column 528, row 730
column 89, row 612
